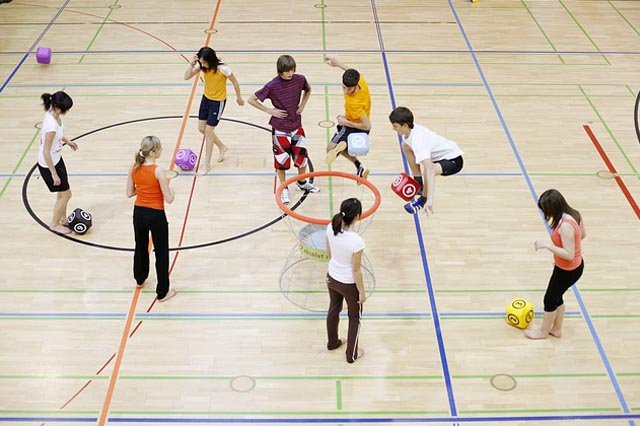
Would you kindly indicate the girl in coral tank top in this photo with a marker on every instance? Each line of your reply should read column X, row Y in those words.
column 567, row 233
column 148, row 183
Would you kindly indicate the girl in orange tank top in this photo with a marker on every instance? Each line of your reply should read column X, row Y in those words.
column 147, row 182
column 567, row 233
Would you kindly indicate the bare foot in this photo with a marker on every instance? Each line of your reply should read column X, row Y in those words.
column 556, row 333
column 203, row 170
column 223, row 151
column 60, row 229
column 535, row 334
column 335, row 152
column 168, row 296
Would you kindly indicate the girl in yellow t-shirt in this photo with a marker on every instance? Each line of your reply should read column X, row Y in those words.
column 215, row 75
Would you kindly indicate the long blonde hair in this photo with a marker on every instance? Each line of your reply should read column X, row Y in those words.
column 148, row 145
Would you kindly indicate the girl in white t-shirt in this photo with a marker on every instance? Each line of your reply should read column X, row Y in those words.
column 50, row 162
column 344, row 277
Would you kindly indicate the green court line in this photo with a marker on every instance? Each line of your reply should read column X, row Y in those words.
column 20, row 160
column 338, row 395
column 623, row 17
column 630, row 91
column 583, row 30
column 337, row 378
column 609, row 131
column 541, row 30
column 258, row 317
column 98, row 31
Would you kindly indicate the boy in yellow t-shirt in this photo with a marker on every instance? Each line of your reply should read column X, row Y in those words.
column 357, row 106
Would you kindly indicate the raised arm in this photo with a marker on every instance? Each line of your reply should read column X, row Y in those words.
column 193, row 69
column 333, row 61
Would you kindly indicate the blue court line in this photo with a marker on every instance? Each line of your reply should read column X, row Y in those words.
column 359, row 51
column 583, row 307
column 423, row 255
column 35, row 43
column 331, row 420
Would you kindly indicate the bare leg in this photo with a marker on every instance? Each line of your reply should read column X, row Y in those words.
column 60, row 212
column 351, row 158
column 556, row 329
column 282, row 176
column 547, row 322
column 210, row 133
column 208, row 150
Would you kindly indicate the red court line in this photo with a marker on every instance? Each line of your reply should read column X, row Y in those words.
column 127, row 334
column 612, row 169
column 104, row 413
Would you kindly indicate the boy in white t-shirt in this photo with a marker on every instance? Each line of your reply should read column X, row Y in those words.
column 422, row 147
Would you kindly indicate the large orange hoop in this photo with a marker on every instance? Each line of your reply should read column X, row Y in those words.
column 314, row 220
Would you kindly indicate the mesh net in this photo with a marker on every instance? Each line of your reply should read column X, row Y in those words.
column 303, row 277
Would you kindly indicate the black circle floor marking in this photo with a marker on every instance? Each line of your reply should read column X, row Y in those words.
column 503, row 382
column 27, row 205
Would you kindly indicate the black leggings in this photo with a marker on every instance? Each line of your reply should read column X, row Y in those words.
column 147, row 220
column 561, row 280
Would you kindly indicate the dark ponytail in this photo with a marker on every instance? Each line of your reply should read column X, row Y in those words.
column 59, row 100
column 350, row 209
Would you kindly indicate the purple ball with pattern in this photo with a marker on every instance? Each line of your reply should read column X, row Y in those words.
column 186, row 159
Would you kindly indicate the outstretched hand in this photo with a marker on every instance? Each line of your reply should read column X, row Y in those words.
column 331, row 60
column 540, row 244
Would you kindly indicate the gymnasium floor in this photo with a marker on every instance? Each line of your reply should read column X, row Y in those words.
column 538, row 93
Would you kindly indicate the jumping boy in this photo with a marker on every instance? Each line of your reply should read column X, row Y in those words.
column 422, row 147
column 357, row 107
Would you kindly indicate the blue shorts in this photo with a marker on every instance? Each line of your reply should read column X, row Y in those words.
column 211, row 111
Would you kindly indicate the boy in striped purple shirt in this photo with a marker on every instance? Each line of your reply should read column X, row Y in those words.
column 286, row 94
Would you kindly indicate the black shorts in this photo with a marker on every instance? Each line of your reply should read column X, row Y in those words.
column 451, row 167
column 61, row 170
column 343, row 132
column 211, row 111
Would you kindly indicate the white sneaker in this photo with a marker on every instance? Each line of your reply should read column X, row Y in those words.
column 308, row 186
column 363, row 172
column 284, row 196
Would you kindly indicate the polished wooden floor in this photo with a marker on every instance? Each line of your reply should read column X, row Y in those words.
column 538, row 93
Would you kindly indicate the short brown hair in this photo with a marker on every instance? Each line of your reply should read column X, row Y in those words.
column 286, row 63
